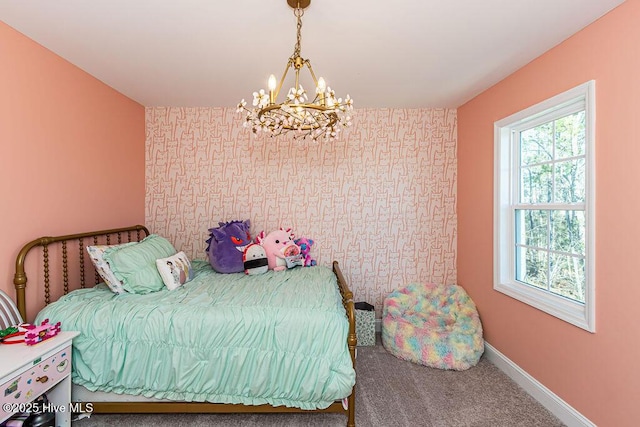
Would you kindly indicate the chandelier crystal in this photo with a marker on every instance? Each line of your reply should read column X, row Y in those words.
column 322, row 117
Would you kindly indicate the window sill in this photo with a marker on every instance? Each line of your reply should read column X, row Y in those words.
column 563, row 308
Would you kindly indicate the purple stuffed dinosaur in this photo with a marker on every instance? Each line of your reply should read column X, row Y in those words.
column 226, row 245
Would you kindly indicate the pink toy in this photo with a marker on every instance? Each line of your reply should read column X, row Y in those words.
column 276, row 245
column 292, row 256
column 35, row 334
column 305, row 247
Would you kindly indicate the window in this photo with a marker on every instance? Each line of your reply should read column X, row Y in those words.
column 544, row 215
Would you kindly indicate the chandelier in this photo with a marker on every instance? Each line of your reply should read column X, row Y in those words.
column 322, row 117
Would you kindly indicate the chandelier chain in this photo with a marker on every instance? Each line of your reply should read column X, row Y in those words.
column 298, row 12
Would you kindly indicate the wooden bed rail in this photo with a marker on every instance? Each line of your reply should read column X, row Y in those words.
column 20, row 277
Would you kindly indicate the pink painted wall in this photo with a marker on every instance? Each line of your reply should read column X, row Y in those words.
column 598, row 374
column 72, row 152
column 380, row 200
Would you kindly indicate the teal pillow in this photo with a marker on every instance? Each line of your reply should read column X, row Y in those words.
column 135, row 265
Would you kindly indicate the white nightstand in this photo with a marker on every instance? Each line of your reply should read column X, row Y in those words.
column 27, row 371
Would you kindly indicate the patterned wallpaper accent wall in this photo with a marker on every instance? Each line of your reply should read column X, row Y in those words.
column 381, row 200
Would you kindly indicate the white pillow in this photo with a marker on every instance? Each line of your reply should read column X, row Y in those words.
column 175, row 270
column 96, row 254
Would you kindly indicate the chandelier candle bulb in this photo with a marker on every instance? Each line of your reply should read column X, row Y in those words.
column 320, row 89
column 272, row 87
column 321, row 117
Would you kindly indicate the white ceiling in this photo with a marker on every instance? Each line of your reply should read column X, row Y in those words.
column 411, row 53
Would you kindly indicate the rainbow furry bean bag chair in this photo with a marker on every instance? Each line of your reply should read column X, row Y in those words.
column 436, row 326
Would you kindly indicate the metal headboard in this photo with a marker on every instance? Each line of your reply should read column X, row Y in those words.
column 113, row 236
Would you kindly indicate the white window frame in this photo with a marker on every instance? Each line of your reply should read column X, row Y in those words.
column 505, row 202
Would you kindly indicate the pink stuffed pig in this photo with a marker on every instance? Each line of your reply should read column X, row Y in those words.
column 276, row 245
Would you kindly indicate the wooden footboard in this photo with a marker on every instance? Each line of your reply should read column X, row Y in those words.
column 74, row 274
column 352, row 340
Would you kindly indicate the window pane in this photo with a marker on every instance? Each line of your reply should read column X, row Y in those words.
column 532, row 227
column 570, row 181
column 536, row 144
column 567, row 231
column 531, row 267
column 570, row 135
column 535, row 184
column 568, row 276
column 542, row 201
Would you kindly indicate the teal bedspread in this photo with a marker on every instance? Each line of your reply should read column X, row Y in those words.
column 277, row 338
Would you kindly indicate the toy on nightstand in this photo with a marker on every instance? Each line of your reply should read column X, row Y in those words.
column 35, row 334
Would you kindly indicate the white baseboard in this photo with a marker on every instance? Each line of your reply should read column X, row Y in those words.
column 558, row 407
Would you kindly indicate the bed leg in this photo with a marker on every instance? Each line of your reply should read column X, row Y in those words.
column 352, row 338
column 351, row 414
column 352, row 341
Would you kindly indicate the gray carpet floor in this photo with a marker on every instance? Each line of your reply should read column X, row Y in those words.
column 389, row 392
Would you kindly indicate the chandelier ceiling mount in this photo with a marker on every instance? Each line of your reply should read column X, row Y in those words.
column 299, row 4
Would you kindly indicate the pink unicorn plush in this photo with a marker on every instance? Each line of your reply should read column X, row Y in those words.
column 305, row 247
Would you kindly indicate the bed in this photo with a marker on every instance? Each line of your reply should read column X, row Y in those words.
column 275, row 342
